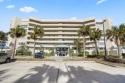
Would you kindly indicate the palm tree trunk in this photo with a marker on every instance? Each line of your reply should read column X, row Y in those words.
column 34, row 47
column 119, row 50
column 96, row 47
column 83, row 47
column 14, row 50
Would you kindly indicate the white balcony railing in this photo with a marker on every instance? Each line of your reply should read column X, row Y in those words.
column 50, row 41
column 55, row 32
column 57, row 25
column 61, row 29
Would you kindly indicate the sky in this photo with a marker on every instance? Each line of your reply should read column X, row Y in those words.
column 61, row 9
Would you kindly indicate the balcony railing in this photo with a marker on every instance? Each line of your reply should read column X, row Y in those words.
column 58, row 25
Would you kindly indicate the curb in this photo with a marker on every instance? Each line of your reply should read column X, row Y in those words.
column 106, row 64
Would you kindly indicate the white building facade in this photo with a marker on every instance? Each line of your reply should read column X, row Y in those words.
column 59, row 34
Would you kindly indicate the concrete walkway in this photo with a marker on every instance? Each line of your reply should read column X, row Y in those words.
column 60, row 72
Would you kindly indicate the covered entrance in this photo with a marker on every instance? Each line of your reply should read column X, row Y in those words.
column 60, row 51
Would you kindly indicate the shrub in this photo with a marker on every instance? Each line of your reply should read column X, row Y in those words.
column 91, row 56
column 114, row 59
column 101, row 53
column 23, row 52
column 94, row 52
column 2, row 51
column 49, row 54
column 81, row 54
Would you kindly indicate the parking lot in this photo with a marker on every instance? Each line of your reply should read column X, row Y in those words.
column 60, row 72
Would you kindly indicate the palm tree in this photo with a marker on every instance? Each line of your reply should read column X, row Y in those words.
column 116, row 34
column 16, row 33
column 38, row 33
column 3, row 38
column 95, row 35
column 84, row 31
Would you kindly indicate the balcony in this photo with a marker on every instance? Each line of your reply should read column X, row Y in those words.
column 56, row 25
column 49, row 41
column 31, row 45
column 63, row 29
column 91, row 45
column 61, row 37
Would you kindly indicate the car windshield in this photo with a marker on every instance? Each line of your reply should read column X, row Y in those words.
column 38, row 53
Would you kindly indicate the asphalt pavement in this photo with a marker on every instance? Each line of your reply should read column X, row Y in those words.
column 60, row 72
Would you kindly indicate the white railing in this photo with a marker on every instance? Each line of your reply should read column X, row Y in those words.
column 60, row 32
column 58, row 25
column 61, row 29
column 50, row 41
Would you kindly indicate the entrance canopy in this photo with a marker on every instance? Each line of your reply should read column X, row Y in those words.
column 62, row 45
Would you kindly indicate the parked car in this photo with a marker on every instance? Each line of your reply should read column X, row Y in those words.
column 4, row 57
column 39, row 55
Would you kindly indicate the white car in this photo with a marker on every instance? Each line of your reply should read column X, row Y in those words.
column 4, row 57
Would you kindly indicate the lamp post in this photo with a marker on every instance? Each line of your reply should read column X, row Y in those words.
column 104, row 37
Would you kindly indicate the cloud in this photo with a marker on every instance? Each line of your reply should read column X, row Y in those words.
column 1, row 0
column 27, row 9
column 74, row 18
column 10, row 6
column 101, row 1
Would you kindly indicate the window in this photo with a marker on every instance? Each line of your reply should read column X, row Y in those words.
column 98, row 22
column 21, row 43
column 101, row 43
column 24, row 26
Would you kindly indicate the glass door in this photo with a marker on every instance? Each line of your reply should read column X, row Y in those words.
column 62, row 51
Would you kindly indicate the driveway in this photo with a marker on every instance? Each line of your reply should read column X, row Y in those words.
column 60, row 72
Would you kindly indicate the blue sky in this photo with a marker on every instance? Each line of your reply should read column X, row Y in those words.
column 61, row 9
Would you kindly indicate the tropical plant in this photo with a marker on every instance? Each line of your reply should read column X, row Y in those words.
column 77, row 44
column 84, row 31
column 41, row 49
column 23, row 50
column 16, row 33
column 38, row 33
column 95, row 35
column 116, row 34
column 3, row 38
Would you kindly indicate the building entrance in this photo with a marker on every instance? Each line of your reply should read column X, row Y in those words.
column 61, row 51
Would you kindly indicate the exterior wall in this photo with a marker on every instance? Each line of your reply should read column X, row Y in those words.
column 58, row 32
column 107, row 25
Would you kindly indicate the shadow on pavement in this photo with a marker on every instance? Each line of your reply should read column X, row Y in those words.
column 2, row 76
column 51, row 74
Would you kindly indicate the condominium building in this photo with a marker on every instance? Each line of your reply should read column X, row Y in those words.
column 59, row 34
